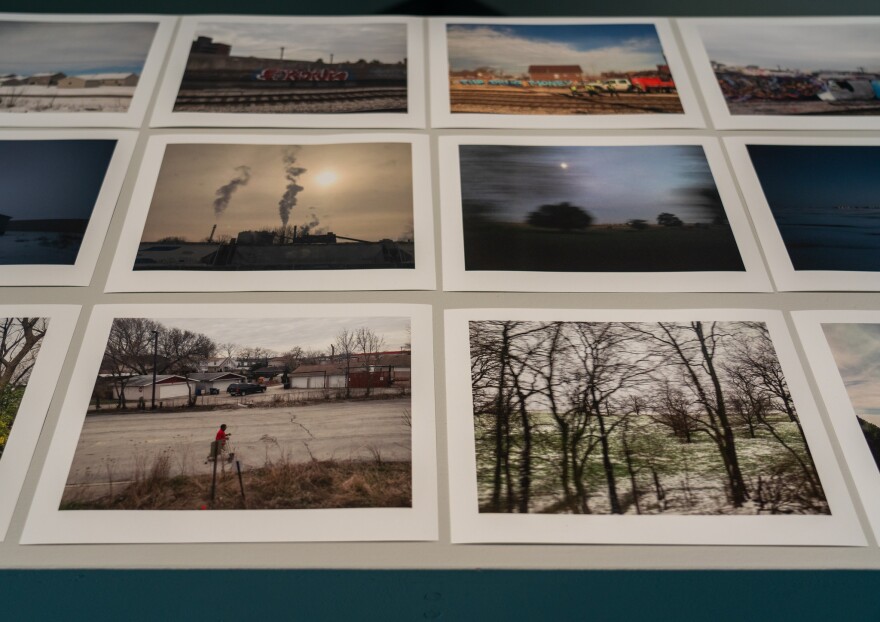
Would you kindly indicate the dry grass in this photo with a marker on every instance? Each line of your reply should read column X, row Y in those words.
column 276, row 485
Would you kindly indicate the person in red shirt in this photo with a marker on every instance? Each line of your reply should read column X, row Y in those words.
column 222, row 435
column 221, row 438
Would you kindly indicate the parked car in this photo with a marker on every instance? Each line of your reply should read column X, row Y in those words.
column 245, row 388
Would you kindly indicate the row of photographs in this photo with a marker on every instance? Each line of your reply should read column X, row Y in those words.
column 233, row 212
column 205, row 423
column 260, row 71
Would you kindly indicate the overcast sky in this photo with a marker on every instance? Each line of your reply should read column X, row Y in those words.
column 74, row 47
column 282, row 334
column 347, row 42
column 356, row 190
column 614, row 184
column 794, row 46
column 856, row 349
column 596, row 48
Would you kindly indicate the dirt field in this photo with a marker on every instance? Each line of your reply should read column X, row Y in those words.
column 116, row 446
column 481, row 100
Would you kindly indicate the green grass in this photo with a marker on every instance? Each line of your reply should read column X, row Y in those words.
column 502, row 246
column 653, row 447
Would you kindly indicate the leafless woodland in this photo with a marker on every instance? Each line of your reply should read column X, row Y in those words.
column 636, row 418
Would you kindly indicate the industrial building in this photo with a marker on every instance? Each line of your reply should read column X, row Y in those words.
column 211, row 65
column 98, row 79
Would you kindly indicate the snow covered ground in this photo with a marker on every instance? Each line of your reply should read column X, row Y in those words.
column 53, row 99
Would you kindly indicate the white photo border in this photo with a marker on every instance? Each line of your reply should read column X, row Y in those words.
column 722, row 119
column 468, row 525
column 413, row 118
column 48, row 524
column 858, row 456
column 80, row 273
column 442, row 116
column 37, row 396
column 455, row 278
column 134, row 116
column 784, row 274
column 123, row 277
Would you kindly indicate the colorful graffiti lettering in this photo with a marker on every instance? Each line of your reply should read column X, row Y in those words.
column 302, row 75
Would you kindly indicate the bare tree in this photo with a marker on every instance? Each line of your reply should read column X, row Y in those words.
column 182, row 351
column 693, row 347
column 20, row 340
column 346, row 343
column 369, row 344
column 605, row 369
column 129, row 352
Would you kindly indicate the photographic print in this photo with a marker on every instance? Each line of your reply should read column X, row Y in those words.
column 59, row 191
column 589, row 215
column 79, row 70
column 843, row 348
column 27, row 382
column 274, row 206
column 543, row 73
column 673, row 417
column 326, row 72
column 279, row 408
column 788, row 73
column 815, row 203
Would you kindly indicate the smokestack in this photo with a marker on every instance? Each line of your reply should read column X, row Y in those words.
column 211, row 237
column 294, row 235
column 292, row 173
column 224, row 193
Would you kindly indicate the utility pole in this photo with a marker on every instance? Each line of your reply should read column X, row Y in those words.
column 282, row 52
column 331, row 58
column 155, row 352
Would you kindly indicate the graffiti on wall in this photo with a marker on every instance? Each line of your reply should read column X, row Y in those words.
column 302, row 75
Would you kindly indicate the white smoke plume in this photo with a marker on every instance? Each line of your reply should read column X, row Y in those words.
column 312, row 227
column 292, row 173
column 224, row 193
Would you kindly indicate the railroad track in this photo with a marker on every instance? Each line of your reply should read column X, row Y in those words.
column 282, row 97
column 563, row 102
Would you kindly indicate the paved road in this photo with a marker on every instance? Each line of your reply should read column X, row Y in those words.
column 341, row 430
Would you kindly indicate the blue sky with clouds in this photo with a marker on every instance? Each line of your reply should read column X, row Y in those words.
column 595, row 47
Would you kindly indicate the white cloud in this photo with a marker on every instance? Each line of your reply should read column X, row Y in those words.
column 479, row 47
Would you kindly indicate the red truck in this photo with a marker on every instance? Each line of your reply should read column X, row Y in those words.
column 653, row 84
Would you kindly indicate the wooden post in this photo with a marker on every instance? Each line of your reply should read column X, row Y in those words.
column 215, row 454
column 241, row 483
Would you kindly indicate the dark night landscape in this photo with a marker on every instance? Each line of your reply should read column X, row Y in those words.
column 593, row 209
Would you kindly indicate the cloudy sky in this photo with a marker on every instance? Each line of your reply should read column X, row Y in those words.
column 794, row 46
column 596, row 48
column 74, row 47
column 75, row 168
column 355, row 190
column 614, row 184
column 856, row 349
column 347, row 42
column 282, row 334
